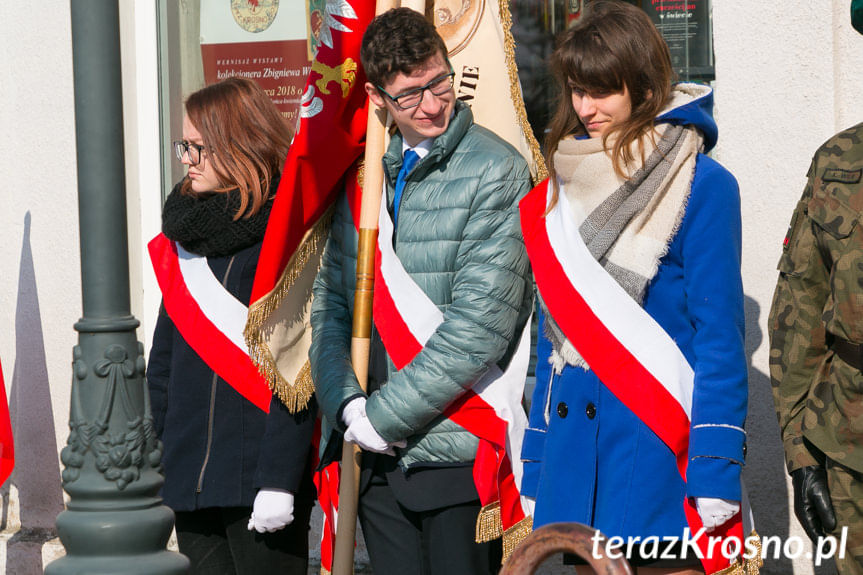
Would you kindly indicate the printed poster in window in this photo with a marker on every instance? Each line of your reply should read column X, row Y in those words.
column 686, row 27
column 264, row 40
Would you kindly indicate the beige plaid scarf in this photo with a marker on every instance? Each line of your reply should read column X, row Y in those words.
column 627, row 224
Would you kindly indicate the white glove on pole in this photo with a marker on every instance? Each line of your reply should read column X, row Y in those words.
column 362, row 432
column 354, row 410
column 714, row 512
column 273, row 510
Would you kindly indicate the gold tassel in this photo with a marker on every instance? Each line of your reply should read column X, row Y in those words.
column 515, row 535
column 488, row 523
column 515, row 91
column 324, row 571
column 743, row 566
column 294, row 395
column 754, row 564
column 735, row 568
column 489, row 528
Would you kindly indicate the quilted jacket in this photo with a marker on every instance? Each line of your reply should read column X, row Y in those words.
column 458, row 237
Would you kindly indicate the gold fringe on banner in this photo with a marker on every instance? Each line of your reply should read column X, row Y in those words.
column 488, row 523
column 743, row 566
column 515, row 91
column 301, row 391
column 295, row 395
column 489, row 528
column 515, row 535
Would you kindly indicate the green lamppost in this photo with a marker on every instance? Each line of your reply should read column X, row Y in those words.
column 115, row 521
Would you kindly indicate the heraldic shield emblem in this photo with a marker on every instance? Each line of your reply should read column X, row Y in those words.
column 457, row 21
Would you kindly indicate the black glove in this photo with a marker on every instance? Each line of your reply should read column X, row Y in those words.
column 812, row 504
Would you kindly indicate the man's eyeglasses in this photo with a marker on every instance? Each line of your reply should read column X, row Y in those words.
column 182, row 147
column 412, row 98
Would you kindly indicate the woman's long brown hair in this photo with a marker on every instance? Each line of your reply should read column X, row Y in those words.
column 613, row 46
column 245, row 137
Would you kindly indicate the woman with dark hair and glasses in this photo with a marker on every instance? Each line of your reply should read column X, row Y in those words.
column 237, row 477
column 636, row 425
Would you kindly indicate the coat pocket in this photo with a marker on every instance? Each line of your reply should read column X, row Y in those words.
column 840, row 243
column 831, row 214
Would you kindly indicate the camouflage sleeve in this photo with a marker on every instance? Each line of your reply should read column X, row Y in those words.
column 796, row 330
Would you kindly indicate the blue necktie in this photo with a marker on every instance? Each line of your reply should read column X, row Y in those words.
column 410, row 160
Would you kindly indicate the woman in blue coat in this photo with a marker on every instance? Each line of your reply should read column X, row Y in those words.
column 638, row 411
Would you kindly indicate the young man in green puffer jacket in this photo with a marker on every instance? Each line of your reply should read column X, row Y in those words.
column 457, row 236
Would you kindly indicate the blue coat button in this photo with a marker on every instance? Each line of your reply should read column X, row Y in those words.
column 590, row 411
column 562, row 409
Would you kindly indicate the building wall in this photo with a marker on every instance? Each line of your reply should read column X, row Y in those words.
column 789, row 75
column 40, row 294
column 40, row 289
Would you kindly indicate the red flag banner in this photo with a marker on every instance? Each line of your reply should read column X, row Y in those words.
column 7, row 444
column 329, row 139
column 326, row 482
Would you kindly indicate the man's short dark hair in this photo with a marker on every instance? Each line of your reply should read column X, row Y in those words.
column 398, row 41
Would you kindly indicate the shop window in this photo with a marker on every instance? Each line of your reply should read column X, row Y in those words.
column 273, row 41
column 202, row 42
column 686, row 26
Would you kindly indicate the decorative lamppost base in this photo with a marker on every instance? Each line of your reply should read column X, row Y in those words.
column 115, row 521
column 131, row 538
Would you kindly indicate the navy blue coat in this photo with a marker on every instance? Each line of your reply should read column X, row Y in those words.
column 218, row 447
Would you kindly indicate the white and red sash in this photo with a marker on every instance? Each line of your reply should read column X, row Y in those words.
column 629, row 351
column 209, row 318
column 406, row 318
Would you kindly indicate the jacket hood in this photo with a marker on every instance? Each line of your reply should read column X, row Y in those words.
column 692, row 105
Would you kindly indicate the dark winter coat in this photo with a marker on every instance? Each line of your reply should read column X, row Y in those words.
column 218, row 447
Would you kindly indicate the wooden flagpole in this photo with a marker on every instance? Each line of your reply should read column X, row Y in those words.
column 373, row 181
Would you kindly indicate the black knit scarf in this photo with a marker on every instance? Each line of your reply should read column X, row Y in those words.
column 204, row 225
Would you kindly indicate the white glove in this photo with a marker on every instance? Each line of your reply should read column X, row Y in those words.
column 528, row 504
column 354, row 410
column 362, row 432
column 714, row 512
column 273, row 510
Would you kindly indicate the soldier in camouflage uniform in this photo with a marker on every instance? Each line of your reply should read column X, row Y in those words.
column 816, row 343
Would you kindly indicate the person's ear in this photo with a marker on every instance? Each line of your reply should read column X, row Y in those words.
column 374, row 95
column 648, row 95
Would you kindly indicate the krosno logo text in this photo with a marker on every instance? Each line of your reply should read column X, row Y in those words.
column 673, row 547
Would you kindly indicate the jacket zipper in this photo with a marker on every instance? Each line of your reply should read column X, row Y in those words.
column 212, row 408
